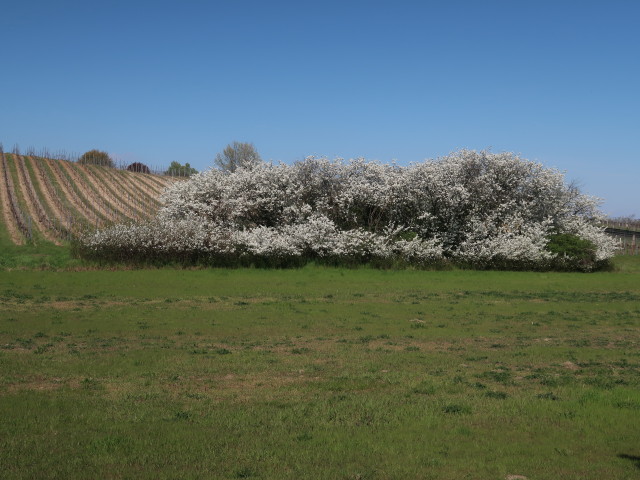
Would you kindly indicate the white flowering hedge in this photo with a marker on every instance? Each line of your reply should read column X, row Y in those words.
column 471, row 208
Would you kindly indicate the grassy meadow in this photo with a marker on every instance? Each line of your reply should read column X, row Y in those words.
column 319, row 373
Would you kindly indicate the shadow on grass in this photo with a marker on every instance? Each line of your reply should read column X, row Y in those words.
column 634, row 458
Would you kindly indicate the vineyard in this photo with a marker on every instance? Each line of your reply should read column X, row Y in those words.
column 53, row 200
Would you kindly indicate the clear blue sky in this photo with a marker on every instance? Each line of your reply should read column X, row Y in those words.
column 556, row 81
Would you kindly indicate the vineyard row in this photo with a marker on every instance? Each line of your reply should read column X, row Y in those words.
column 53, row 200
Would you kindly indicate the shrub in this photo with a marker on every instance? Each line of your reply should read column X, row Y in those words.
column 138, row 167
column 96, row 157
column 177, row 170
column 471, row 209
column 570, row 252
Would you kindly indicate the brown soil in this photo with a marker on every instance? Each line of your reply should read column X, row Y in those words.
column 163, row 181
column 151, row 180
column 36, row 384
column 570, row 366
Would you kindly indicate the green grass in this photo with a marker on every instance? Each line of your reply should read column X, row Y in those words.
column 43, row 255
column 319, row 373
column 627, row 264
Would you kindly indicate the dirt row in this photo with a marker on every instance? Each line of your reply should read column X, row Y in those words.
column 19, row 202
column 8, row 214
column 140, row 185
column 162, row 182
column 151, row 186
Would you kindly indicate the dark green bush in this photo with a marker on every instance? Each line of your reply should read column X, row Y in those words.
column 96, row 157
column 138, row 167
column 572, row 253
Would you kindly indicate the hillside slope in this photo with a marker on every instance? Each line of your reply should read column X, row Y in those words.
column 46, row 200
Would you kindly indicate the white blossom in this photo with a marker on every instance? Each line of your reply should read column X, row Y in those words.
column 475, row 207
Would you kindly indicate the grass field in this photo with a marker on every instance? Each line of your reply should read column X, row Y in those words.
column 319, row 373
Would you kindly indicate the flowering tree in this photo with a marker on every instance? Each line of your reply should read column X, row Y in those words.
column 473, row 208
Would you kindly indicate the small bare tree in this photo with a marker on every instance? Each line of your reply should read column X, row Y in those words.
column 236, row 155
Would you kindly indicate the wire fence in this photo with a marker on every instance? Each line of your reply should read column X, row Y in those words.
column 627, row 240
column 626, row 231
column 628, row 224
column 626, row 248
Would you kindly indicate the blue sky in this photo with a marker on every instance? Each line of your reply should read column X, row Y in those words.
column 555, row 81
